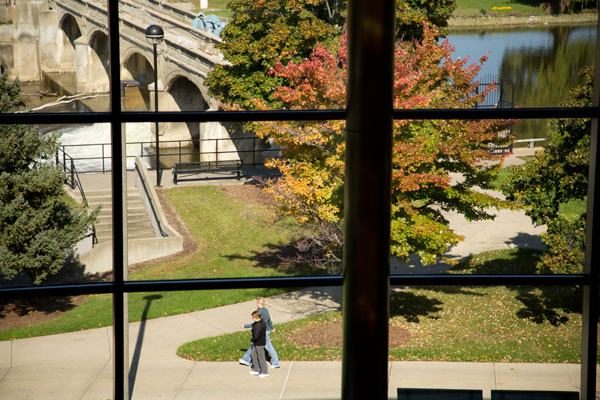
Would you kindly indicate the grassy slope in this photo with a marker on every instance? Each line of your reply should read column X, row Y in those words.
column 229, row 233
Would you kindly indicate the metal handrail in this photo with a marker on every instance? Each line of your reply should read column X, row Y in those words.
column 75, row 182
column 152, row 207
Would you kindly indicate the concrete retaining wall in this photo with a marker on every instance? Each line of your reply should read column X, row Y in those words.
column 99, row 259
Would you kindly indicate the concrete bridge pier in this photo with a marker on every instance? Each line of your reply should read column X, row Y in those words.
column 22, row 55
column 81, row 64
column 49, row 57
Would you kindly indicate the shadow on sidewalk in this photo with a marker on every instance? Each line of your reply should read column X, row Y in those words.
column 135, row 361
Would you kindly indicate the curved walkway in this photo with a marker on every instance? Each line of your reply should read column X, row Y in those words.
column 78, row 365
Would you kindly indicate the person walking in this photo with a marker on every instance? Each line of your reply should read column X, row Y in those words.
column 259, row 335
column 262, row 309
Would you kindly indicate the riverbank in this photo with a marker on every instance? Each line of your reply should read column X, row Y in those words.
column 463, row 23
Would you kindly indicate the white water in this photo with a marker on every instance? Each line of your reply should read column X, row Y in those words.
column 90, row 143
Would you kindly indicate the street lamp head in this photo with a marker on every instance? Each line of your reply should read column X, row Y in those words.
column 154, row 34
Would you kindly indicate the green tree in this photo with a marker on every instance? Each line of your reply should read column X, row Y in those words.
column 410, row 15
column 553, row 178
column 265, row 32
column 38, row 229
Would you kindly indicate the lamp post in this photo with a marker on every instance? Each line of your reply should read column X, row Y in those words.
column 155, row 35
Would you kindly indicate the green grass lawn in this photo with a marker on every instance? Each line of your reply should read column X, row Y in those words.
column 471, row 8
column 493, row 324
column 230, row 234
column 464, row 8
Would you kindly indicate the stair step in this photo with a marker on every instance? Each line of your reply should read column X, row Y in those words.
column 130, row 227
column 138, row 222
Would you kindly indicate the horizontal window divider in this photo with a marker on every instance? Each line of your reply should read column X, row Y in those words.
column 72, row 289
column 170, row 285
column 289, row 115
column 290, row 282
column 234, row 283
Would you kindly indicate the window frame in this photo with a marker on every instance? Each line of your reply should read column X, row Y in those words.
column 119, row 287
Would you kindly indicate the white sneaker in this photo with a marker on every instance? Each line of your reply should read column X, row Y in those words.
column 255, row 373
column 263, row 375
column 243, row 362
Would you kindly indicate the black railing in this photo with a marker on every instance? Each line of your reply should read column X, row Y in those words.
column 502, row 97
column 67, row 163
column 96, row 157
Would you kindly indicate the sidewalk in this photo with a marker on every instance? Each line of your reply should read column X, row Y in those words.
column 78, row 365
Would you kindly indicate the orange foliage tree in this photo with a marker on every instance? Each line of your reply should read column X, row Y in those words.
column 438, row 165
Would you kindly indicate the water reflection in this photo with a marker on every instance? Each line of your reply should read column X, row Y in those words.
column 543, row 63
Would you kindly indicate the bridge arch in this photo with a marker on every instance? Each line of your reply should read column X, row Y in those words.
column 137, row 67
column 97, row 62
column 68, row 33
column 181, row 94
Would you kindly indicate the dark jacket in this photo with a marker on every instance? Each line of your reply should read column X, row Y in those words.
column 259, row 333
column 265, row 317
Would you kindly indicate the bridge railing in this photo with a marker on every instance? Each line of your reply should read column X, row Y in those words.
column 190, row 45
column 97, row 157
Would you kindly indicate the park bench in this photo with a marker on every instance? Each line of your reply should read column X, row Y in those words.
column 206, row 167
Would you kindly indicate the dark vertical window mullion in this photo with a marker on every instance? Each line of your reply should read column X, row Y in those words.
column 589, row 343
column 367, row 198
column 120, row 385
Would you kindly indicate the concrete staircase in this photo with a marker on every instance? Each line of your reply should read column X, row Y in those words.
column 138, row 222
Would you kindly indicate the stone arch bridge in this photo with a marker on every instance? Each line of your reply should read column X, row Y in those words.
column 70, row 38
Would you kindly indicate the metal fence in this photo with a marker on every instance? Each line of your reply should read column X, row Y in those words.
column 97, row 157
column 503, row 96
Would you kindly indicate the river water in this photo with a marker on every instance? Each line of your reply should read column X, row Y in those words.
column 543, row 63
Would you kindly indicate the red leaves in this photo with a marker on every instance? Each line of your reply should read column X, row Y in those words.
column 426, row 154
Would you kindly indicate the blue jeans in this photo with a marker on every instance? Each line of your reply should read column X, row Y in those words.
column 269, row 347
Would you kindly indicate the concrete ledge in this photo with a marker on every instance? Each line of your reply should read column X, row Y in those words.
column 99, row 259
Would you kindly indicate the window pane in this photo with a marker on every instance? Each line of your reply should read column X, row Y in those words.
column 85, row 154
column 160, row 349
column 39, row 367
column 219, row 216
column 520, row 338
column 60, row 54
column 46, row 222
column 531, row 67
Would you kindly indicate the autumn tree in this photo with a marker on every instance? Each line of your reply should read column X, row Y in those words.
column 38, row 229
column 438, row 166
column 555, row 177
column 262, row 33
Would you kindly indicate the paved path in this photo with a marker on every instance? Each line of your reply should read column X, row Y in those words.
column 78, row 365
